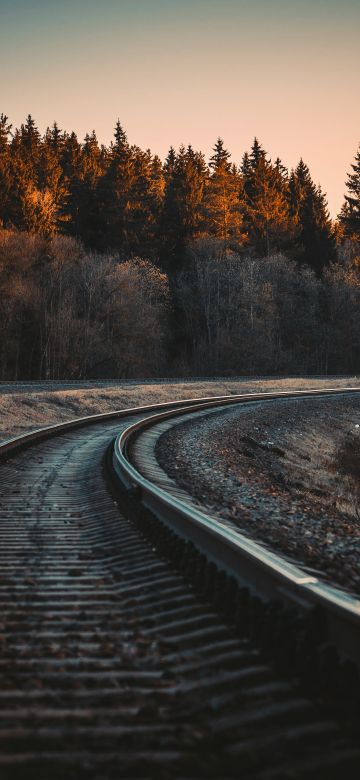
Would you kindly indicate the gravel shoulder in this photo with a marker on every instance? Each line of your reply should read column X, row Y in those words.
column 286, row 473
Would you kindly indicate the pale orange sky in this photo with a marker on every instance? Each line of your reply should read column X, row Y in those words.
column 284, row 70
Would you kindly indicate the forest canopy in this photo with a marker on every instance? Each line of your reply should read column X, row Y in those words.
column 114, row 263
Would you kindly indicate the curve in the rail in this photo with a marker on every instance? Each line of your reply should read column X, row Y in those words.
column 268, row 574
column 110, row 665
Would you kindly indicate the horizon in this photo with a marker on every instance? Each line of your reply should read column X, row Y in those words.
column 95, row 72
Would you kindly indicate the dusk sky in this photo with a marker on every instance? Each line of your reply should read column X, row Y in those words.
column 189, row 70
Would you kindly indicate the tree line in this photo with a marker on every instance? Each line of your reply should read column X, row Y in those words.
column 113, row 262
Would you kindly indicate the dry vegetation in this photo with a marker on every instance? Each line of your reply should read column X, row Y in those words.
column 37, row 407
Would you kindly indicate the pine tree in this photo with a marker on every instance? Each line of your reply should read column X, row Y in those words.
column 221, row 209
column 72, row 165
column 29, row 144
column 284, row 173
column 293, row 193
column 266, row 208
column 54, row 138
column 121, row 141
column 143, row 202
column 158, row 179
column 257, row 153
column 350, row 213
column 220, row 157
column 90, row 170
column 182, row 206
column 245, row 167
column 35, row 208
column 115, row 192
column 51, row 182
column 5, row 131
column 6, row 181
column 315, row 232
column 250, row 163
column 170, row 162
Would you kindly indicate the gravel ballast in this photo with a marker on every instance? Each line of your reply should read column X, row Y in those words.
column 286, row 473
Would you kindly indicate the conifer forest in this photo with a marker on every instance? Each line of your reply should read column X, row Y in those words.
column 115, row 263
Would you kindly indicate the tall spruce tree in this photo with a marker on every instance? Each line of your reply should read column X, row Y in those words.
column 52, row 184
column 71, row 159
column 181, row 215
column 54, row 138
column 315, row 234
column 5, row 171
column 142, row 206
column 35, row 207
column 350, row 213
column 245, row 167
column 90, row 170
column 114, row 192
column 266, row 208
column 222, row 207
column 257, row 153
column 250, row 162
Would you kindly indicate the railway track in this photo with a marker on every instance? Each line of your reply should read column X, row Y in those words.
column 117, row 658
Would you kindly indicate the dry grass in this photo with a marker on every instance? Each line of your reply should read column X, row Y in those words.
column 347, row 457
column 346, row 463
column 21, row 411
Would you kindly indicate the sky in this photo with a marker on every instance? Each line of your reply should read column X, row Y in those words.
column 188, row 71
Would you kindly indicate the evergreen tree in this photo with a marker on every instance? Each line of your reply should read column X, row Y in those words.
column 284, row 173
column 245, row 167
column 250, row 163
column 114, row 192
column 5, row 171
column 266, row 208
column 91, row 168
column 315, row 232
column 51, row 182
column 257, row 153
column 181, row 215
column 73, row 171
column 350, row 213
column 35, row 207
column 293, row 193
column 143, row 202
column 220, row 157
column 170, row 162
column 29, row 145
column 221, row 210
column 5, row 131
column 30, row 135
column 54, row 138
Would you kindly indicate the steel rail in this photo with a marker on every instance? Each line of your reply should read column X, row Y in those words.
column 265, row 573
column 41, row 434
column 116, row 653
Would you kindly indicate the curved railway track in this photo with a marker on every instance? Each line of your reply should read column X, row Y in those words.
column 115, row 664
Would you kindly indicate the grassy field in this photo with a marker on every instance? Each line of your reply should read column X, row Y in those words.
column 36, row 407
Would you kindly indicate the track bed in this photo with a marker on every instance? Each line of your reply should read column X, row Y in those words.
column 110, row 665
